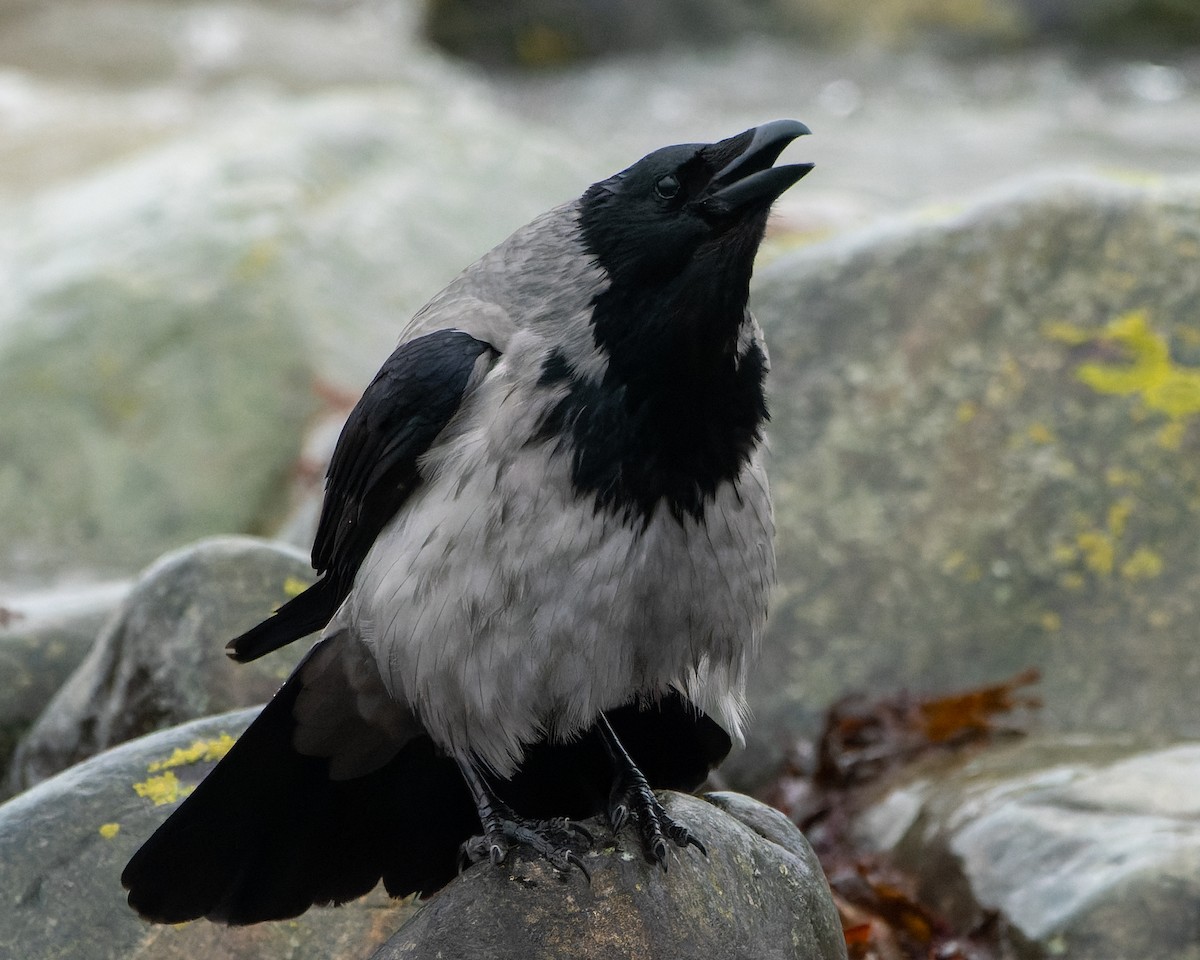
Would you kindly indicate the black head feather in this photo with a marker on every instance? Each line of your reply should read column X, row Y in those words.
column 680, row 408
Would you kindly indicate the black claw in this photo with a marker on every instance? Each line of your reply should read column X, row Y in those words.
column 571, row 858
column 694, row 841
column 583, row 832
column 660, row 853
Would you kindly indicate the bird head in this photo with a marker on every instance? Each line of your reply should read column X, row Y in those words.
column 676, row 235
column 704, row 203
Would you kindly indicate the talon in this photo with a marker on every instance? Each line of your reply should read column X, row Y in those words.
column 619, row 816
column 572, row 858
column 693, row 841
column 583, row 831
column 659, row 852
column 497, row 854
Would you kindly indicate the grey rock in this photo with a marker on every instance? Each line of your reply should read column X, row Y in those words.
column 1085, row 848
column 758, row 895
column 65, row 842
column 160, row 661
column 163, row 320
column 958, row 495
column 43, row 638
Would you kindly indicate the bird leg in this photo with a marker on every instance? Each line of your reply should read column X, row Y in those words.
column 553, row 840
column 632, row 799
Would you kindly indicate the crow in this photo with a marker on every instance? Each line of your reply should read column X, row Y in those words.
column 546, row 552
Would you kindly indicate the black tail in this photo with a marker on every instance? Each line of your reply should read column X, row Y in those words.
column 303, row 614
column 267, row 834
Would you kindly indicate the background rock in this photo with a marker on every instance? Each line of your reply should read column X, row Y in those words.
column 164, row 317
column 65, row 842
column 43, row 638
column 984, row 457
column 544, row 33
column 1085, row 848
column 759, row 894
column 161, row 661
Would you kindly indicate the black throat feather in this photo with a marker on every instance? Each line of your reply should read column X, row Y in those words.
column 679, row 410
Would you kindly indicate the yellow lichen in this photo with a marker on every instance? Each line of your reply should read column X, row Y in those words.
column 1072, row 581
column 1118, row 515
column 1117, row 477
column 966, row 412
column 1098, row 551
column 953, row 562
column 109, row 830
column 294, row 586
column 1143, row 564
column 1149, row 373
column 1159, row 619
column 164, row 788
column 1051, row 622
column 201, row 751
column 1064, row 554
column 1040, row 433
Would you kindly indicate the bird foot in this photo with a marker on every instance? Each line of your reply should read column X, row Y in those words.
column 632, row 799
column 555, row 841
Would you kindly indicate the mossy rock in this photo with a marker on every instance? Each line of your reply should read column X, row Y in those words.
column 984, row 456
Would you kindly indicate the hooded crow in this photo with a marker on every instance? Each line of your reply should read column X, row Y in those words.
column 545, row 548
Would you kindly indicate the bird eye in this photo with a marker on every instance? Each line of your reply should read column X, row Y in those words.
column 667, row 187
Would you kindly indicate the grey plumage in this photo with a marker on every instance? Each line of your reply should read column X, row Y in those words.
column 549, row 508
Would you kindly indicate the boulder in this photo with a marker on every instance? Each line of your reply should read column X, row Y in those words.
column 43, row 638
column 65, row 842
column 546, row 33
column 166, row 317
column 160, row 660
column 984, row 447
column 1082, row 847
column 758, row 895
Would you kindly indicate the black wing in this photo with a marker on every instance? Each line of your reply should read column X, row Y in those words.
column 373, row 470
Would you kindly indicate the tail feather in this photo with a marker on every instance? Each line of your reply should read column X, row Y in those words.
column 267, row 833
column 303, row 614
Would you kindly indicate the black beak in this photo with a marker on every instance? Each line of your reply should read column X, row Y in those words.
column 749, row 179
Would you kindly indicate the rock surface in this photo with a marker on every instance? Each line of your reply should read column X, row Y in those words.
column 166, row 317
column 758, row 895
column 65, row 842
column 160, row 660
column 43, row 638
column 984, row 457
column 1085, row 849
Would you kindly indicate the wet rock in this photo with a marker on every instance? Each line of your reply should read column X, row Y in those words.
column 43, row 638
column 759, row 894
column 65, row 842
column 160, row 661
column 1084, row 848
column 984, row 457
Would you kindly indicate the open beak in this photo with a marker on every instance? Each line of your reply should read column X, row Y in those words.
column 749, row 179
